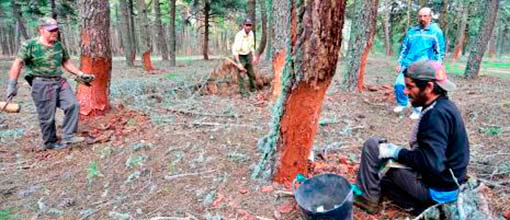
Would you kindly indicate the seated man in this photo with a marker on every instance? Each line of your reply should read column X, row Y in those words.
column 439, row 149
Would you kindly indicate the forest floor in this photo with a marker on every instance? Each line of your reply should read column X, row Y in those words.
column 166, row 152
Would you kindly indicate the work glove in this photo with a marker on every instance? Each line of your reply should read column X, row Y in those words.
column 388, row 150
column 11, row 88
column 84, row 78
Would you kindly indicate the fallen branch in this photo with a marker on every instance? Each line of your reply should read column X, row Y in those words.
column 186, row 112
column 187, row 174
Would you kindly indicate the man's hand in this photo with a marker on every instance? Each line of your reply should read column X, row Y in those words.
column 255, row 60
column 11, row 88
column 388, row 150
column 398, row 68
column 85, row 78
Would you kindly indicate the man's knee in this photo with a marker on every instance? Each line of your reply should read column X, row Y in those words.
column 371, row 145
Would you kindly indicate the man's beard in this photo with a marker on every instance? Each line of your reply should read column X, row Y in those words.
column 419, row 100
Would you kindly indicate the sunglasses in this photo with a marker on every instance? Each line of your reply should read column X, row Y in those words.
column 248, row 25
column 53, row 31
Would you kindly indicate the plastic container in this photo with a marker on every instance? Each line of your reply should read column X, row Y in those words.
column 324, row 197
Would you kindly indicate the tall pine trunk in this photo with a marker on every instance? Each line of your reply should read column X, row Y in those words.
column 205, row 45
column 386, row 27
column 443, row 22
column 483, row 37
column 161, row 37
column 171, row 32
column 461, row 33
column 311, row 59
column 96, row 56
column 127, row 38
column 263, row 18
column 360, row 43
column 145, row 35
column 251, row 11
column 278, row 42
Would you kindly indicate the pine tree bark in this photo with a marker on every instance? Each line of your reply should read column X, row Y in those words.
column 482, row 39
column 161, row 37
column 171, row 32
column 96, row 56
column 19, row 20
column 145, row 36
column 251, row 11
column 279, row 43
column 270, row 28
column 492, row 43
column 360, row 42
column 263, row 18
column 461, row 33
column 386, row 27
column 127, row 37
column 205, row 45
column 443, row 23
column 311, row 59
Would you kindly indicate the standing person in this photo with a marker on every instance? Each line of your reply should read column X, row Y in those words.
column 243, row 50
column 44, row 56
column 439, row 149
column 422, row 42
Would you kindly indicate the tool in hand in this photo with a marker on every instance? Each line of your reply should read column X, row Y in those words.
column 9, row 107
column 85, row 79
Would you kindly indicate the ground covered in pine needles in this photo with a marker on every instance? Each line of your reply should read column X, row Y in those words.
column 166, row 151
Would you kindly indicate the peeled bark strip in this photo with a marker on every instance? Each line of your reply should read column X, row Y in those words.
column 96, row 56
column 145, row 35
column 310, row 64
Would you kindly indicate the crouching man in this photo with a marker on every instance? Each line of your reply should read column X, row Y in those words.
column 44, row 56
column 438, row 154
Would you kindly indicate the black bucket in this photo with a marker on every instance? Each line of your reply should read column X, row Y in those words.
column 325, row 197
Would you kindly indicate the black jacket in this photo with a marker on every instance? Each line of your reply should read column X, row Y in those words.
column 442, row 145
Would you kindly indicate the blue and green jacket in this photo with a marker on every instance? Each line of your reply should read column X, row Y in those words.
column 422, row 44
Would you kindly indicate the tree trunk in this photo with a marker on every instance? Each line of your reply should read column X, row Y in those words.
column 127, row 38
column 360, row 43
column 270, row 25
column 171, row 32
column 205, row 45
column 251, row 11
column 483, row 37
column 19, row 20
column 132, row 29
column 310, row 65
column 161, row 37
column 492, row 43
column 96, row 56
column 263, row 18
column 503, row 32
column 461, row 33
column 145, row 35
column 443, row 22
column 279, row 43
column 386, row 27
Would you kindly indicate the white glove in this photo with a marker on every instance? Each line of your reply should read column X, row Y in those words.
column 388, row 150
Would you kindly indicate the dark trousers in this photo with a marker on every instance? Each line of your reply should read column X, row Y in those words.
column 403, row 186
column 48, row 95
column 246, row 62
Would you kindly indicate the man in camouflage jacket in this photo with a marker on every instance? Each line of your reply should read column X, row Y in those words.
column 44, row 56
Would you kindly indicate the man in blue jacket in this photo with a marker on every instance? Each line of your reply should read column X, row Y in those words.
column 422, row 42
column 436, row 161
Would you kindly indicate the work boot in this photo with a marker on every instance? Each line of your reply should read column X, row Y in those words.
column 54, row 146
column 366, row 205
column 73, row 140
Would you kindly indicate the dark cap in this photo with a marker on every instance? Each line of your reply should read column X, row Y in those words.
column 48, row 23
column 430, row 70
column 247, row 21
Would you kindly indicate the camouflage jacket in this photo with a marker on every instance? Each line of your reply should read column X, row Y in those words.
column 41, row 60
